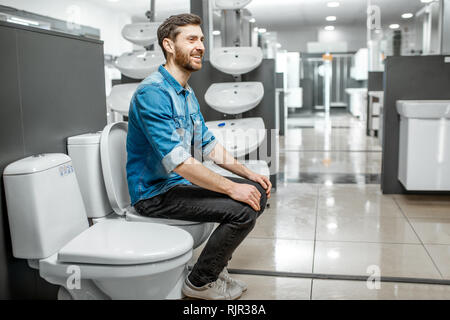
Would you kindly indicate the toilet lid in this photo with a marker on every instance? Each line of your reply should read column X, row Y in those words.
column 126, row 243
column 113, row 154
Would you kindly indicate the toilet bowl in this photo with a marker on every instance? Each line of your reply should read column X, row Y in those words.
column 100, row 160
column 110, row 260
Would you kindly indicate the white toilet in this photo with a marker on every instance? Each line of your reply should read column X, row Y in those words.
column 100, row 160
column 112, row 259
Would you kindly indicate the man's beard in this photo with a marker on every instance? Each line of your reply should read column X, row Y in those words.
column 183, row 60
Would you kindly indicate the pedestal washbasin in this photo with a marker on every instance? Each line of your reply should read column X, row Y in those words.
column 239, row 136
column 120, row 97
column 140, row 64
column 231, row 4
column 142, row 33
column 234, row 97
column 236, row 60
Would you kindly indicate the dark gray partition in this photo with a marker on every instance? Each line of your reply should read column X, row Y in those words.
column 407, row 78
column 51, row 87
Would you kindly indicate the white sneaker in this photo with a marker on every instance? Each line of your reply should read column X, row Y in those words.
column 217, row 290
column 224, row 275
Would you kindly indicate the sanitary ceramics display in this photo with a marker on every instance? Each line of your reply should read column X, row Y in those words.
column 142, row 33
column 236, row 60
column 424, row 155
column 235, row 97
column 239, row 136
column 140, row 64
column 120, row 97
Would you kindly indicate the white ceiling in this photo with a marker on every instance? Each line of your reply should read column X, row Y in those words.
column 281, row 13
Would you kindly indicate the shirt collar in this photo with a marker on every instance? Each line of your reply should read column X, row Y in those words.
column 173, row 82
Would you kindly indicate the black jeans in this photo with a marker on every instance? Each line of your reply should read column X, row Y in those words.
column 193, row 203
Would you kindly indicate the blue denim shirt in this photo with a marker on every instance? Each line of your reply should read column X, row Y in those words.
column 164, row 122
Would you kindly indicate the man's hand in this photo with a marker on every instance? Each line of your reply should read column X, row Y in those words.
column 246, row 193
column 263, row 181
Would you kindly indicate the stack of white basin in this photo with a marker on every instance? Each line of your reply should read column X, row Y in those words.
column 136, row 65
column 424, row 149
column 239, row 136
column 140, row 64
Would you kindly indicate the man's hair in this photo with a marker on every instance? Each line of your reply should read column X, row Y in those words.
column 169, row 28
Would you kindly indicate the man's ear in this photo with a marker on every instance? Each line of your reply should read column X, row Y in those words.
column 169, row 46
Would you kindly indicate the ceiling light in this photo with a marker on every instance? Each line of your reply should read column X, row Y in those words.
column 216, row 33
column 262, row 30
column 329, row 28
column 252, row 20
column 22, row 21
column 331, row 18
column 333, row 4
column 394, row 26
column 407, row 15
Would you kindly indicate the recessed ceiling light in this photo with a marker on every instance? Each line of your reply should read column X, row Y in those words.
column 262, row 30
column 329, row 28
column 394, row 26
column 23, row 21
column 407, row 15
column 331, row 18
column 216, row 33
column 252, row 20
column 333, row 4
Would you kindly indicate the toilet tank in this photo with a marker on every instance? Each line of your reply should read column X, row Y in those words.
column 45, row 208
column 84, row 150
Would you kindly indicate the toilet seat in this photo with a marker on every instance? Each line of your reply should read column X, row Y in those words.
column 133, row 243
column 113, row 155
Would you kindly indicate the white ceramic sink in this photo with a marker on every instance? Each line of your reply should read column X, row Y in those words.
column 258, row 166
column 139, row 64
column 239, row 136
column 142, row 33
column 424, row 109
column 231, row 4
column 120, row 97
column 234, row 97
column 236, row 60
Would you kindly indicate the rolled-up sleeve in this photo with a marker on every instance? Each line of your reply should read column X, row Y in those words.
column 209, row 141
column 155, row 112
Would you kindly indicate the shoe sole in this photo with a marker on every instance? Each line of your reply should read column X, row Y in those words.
column 191, row 295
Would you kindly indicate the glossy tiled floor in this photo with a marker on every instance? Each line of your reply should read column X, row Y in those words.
column 323, row 220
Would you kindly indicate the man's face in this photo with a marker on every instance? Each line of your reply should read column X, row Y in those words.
column 189, row 48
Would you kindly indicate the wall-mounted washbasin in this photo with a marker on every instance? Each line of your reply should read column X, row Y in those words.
column 231, row 4
column 140, row 64
column 234, row 97
column 424, row 109
column 142, row 33
column 120, row 97
column 239, row 136
column 236, row 60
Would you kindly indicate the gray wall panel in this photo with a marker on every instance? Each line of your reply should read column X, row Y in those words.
column 11, row 140
column 62, row 105
column 53, row 88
